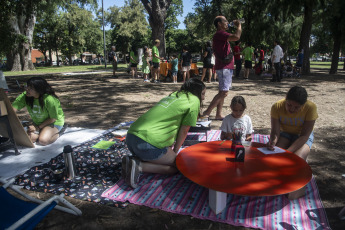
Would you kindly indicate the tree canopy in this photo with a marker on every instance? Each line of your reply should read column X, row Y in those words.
column 70, row 27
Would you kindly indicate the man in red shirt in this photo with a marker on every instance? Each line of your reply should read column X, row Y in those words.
column 238, row 60
column 262, row 56
column 224, row 62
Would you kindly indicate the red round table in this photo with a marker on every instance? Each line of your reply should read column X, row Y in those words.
column 210, row 164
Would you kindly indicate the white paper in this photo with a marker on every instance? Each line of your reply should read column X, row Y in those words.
column 276, row 150
column 203, row 123
column 120, row 132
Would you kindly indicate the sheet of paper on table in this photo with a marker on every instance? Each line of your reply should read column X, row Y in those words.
column 266, row 151
column 203, row 123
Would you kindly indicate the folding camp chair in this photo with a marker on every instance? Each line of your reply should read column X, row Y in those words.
column 342, row 212
column 19, row 214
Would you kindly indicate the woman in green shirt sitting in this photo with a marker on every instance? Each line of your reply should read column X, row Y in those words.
column 156, row 137
column 45, row 111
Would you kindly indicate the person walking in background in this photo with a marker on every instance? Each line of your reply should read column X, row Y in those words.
column 174, row 67
column 133, row 58
column 146, row 65
column 238, row 60
column 224, row 62
column 186, row 61
column 113, row 59
column 248, row 54
column 155, row 61
column 261, row 56
column 207, row 65
column 299, row 61
column 277, row 55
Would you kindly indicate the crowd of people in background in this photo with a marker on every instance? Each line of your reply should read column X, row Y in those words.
column 252, row 60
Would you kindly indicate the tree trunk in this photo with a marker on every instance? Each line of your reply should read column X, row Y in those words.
column 157, row 10
column 57, row 57
column 50, row 57
column 305, row 34
column 336, row 50
column 23, row 25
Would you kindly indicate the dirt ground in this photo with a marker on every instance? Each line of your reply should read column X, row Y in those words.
column 98, row 101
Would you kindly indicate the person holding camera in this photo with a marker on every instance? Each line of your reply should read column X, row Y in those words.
column 224, row 62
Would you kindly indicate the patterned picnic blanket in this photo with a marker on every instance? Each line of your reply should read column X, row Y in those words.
column 178, row 194
column 97, row 169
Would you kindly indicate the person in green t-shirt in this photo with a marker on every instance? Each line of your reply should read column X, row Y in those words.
column 156, row 61
column 45, row 111
column 133, row 58
column 248, row 54
column 151, row 137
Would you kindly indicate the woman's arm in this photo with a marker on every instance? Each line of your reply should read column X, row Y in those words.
column 275, row 132
column 307, row 128
column 205, row 54
column 248, row 137
column 45, row 123
column 181, row 136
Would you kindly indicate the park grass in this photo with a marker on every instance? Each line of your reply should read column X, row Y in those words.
column 92, row 68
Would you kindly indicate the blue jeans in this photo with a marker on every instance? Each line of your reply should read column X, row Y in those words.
column 145, row 151
column 293, row 137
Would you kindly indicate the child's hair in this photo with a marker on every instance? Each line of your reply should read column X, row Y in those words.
column 238, row 100
column 194, row 86
column 41, row 86
column 297, row 94
column 174, row 56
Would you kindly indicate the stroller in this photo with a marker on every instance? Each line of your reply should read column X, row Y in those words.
column 287, row 70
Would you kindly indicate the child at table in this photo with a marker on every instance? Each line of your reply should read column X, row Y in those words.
column 174, row 68
column 292, row 123
column 237, row 121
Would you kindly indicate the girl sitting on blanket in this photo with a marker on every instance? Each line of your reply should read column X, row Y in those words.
column 151, row 137
column 237, row 121
column 292, row 123
column 45, row 111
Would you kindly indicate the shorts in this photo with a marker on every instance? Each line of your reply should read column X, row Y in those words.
column 293, row 137
column 224, row 79
column 185, row 68
column 114, row 65
column 134, row 65
column 58, row 127
column 174, row 73
column 207, row 64
column 145, row 151
column 156, row 65
column 248, row 64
